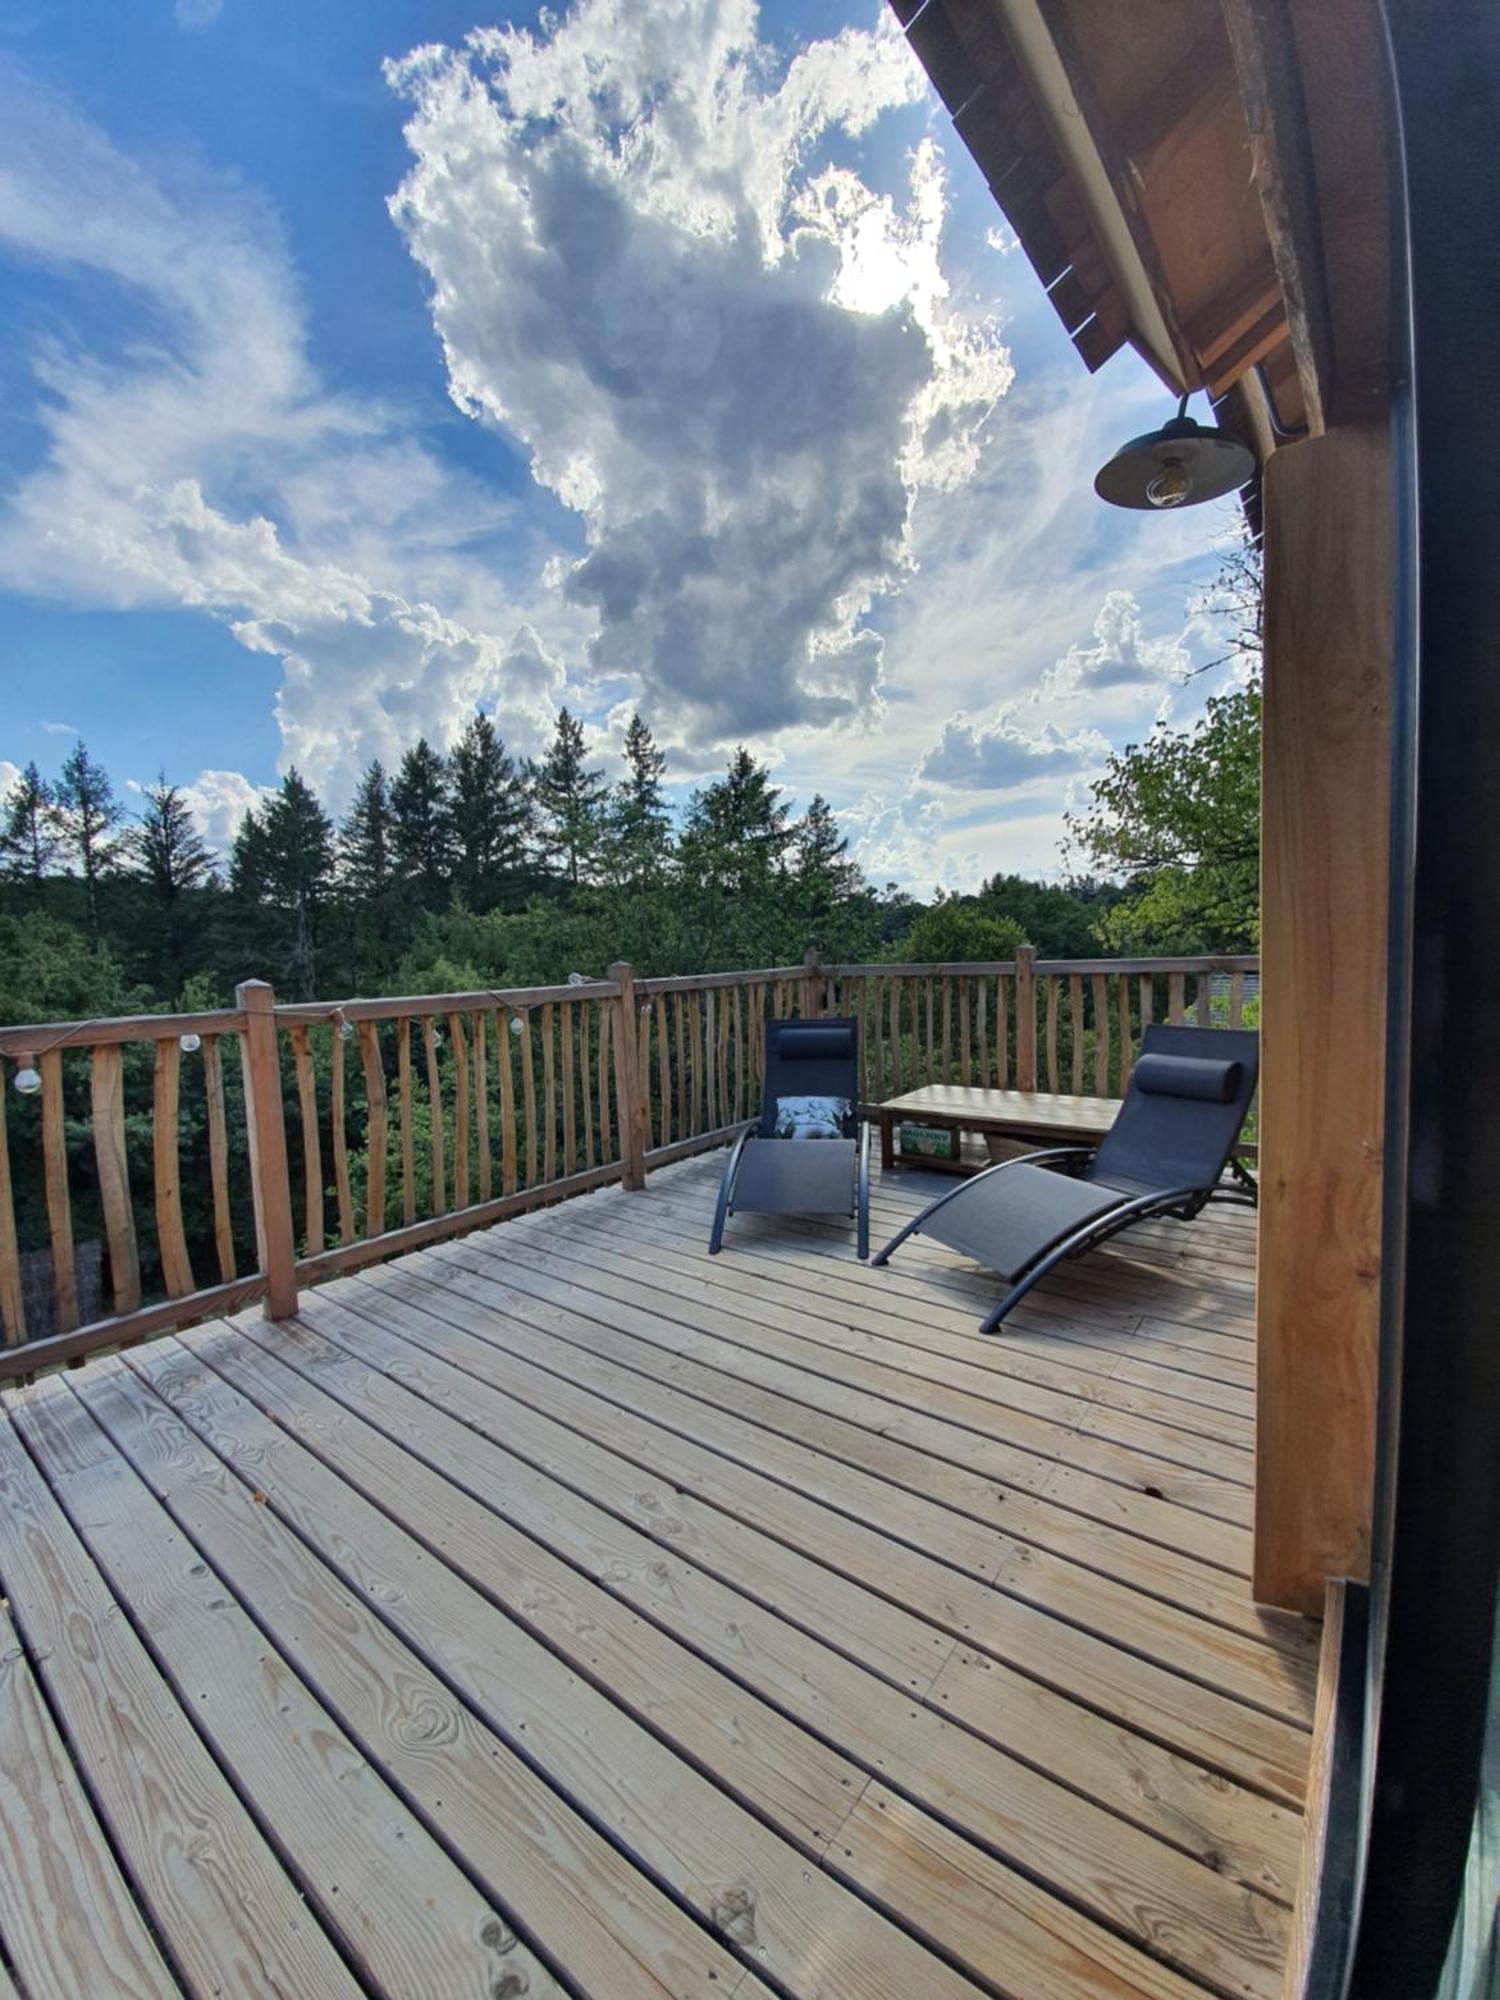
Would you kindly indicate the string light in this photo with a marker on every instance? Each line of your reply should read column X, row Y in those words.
column 190, row 1044
column 517, row 1025
column 28, row 1077
column 342, row 1022
column 577, row 979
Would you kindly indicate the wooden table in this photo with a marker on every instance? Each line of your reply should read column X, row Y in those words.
column 1047, row 1117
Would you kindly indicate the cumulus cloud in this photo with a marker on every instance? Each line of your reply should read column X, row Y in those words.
column 1121, row 656
column 9, row 773
column 195, row 15
column 204, row 464
column 729, row 356
column 999, row 755
column 218, row 801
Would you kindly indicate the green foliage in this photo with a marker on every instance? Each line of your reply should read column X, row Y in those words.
column 571, row 801
column 1058, row 922
column 957, row 930
column 490, row 820
column 88, row 816
column 1180, row 815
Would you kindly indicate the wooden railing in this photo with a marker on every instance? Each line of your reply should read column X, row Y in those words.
column 350, row 1131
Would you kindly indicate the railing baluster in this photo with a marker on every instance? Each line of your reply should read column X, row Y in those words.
column 435, row 1114
column 1176, row 1004
column 176, row 1268
column 482, row 1106
column 947, row 1076
column 59, row 1201
column 1075, row 1015
column 965, row 1044
column 528, row 1097
column 1025, row 1018
column 1127, row 1052
column 695, row 1036
column 565, row 1023
column 408, row 1146
column 107, row 1100
column 1052, row 984
column 12, row 1305
column 739, row 1053
column 1002, row 1033
column 585, row 1066
column 339, row 1134
column 504, row 1061
column 609, row 1043
column 218, row 1157
column 710, row 1047
column 1205, row 1000
column 1147, row 1000
column 460, row 1111
column 679, row 1018
column 1101, row 1035
column 663, row 1074
column 549, row 1095
column 1236, row 999
column 376, row 1127
column 723, row 1009
column 644, row 1020
column 312, row 1149
column 982, row 1033
column 617, row 1025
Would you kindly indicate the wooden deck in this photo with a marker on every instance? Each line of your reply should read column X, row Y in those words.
column 559, row 1611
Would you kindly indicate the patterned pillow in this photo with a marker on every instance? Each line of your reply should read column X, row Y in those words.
column 811, row 1117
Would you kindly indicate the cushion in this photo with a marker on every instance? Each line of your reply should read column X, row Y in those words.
column 811, row 1117
column 815, row 1044
column 1187, row 1076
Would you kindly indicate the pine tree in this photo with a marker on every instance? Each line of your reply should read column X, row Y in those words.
column 281, row 871
column 640, row 825
column 367, row 873
column 165, row 847
column 421, row 833
column 826, row 877
column 737, row 834
column 29, row 841
column 490, row 819
column 570, row 802
column 89, row 814
column 165, row 850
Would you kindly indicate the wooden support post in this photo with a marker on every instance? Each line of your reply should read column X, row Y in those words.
column 629, row 1098
column 811, row 1004
column 265, row 1130
column 1325, row 830
column 1025, row 1017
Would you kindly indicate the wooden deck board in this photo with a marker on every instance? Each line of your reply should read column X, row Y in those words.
column 561, row 1604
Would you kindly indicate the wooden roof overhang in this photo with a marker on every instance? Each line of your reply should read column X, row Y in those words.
column 1149, row 155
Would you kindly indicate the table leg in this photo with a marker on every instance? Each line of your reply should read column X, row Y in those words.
column 887, row 1142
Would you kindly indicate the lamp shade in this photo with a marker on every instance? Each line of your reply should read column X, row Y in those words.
column 1180, row 465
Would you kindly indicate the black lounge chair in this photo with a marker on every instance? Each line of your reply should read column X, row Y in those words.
column 771, row 1176
column 1165, row 1154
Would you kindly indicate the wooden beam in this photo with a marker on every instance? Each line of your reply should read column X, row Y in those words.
column 1260, row 34
column 1325, row 828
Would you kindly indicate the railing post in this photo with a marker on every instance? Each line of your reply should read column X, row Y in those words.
column 1025, row 1017
column 811, row 966
column 632, row 1105
column 265, row 1126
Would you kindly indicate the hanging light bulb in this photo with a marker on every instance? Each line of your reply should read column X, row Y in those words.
column 517, row 1025
column 344, row 1025
column 1171, row 486
column 190, row 1044
column 437, row 1038
column 1181, row 464
column 577, row 979
column 28, row 1078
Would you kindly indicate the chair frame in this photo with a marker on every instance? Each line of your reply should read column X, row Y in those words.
column 1181, row 1202
column 724, row 1208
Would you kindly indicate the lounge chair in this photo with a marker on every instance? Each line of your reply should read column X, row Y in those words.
column 767, row 1175
column 1165, row 1154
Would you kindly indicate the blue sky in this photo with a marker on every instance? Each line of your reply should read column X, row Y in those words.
column 374, row 361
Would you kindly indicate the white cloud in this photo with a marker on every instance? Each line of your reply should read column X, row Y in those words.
column 1121, row 656
column 218, row 801
column 59, row 729
column 205, row 465
column 731, row 358
column 9, row 773
column 196, row 15
column 1001, row 755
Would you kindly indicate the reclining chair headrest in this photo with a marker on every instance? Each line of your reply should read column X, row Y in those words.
column 813, row 1044
column 1187, row 1076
